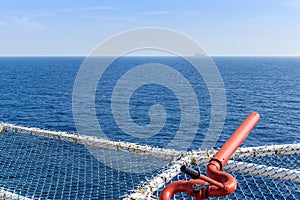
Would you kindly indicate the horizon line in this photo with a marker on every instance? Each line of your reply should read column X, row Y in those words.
column 3, row 56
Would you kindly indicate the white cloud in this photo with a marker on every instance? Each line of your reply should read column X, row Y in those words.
column 87, row 8
column 39, row 13
column 25, row 22
column 47, row 13
column 162, row 12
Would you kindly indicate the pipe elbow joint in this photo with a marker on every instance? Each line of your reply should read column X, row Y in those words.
column 226, row 179
column 181, row 186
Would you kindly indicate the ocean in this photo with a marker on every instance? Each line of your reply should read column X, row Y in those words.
column 37, row 91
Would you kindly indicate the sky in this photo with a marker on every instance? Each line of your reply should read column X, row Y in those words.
column 221, row 27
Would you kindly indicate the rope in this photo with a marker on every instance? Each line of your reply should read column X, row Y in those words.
column 6, row 195
column 176, row 158
column 271, row 150
column 168, row 154
column 260, row 151
column 2, row 129
column 264, row 170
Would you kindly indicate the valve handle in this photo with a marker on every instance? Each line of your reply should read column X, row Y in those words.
column 194, row 174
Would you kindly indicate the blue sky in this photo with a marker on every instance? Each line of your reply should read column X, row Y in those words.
column 222, row 27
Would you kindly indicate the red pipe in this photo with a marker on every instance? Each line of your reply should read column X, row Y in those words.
column 237, row 138
column 182, row 186
column 222, row 184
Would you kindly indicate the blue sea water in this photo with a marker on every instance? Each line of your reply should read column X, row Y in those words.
column 37, row 91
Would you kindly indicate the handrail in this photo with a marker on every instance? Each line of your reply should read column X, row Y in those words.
column 218, row 183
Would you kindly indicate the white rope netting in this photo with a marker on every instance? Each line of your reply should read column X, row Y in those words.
column 263, row 168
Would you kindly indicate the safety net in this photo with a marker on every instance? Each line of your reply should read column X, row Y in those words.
column 42, row 164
